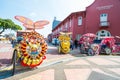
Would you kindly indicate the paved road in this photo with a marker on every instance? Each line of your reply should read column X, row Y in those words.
column 73, row 66
column 76, row 68
column 6, row 52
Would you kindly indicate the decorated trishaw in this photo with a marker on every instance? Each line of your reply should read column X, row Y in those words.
column 106, row 45
column 116, row 47
column 64, row 42
column 86, row 44
column 31, row 50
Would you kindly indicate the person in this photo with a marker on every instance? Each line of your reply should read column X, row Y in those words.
column 76, row 43
column 80, row 43
column 55, row 41
column 19, row 39
column 71, row 44
column 14, row 42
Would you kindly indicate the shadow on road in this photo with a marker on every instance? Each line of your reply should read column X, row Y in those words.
column 5, row 61
column 97, row 76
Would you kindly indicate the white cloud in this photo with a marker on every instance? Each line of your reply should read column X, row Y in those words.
column 33, row 14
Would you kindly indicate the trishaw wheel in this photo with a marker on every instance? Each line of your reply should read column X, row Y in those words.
column 82, row 51
column 14, row 61
column 108, row 51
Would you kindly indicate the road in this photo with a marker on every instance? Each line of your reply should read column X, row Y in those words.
column 72, row 66
column 6, row 52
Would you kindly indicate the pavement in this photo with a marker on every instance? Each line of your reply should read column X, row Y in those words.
column 6, row 52
column 73, row 66
column 78, row 68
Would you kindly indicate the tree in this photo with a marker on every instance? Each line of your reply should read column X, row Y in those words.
column 8, row 24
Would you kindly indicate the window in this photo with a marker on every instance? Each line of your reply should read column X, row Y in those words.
column 103, row 17
column 66, row 25
column 108, row 34
column 78, row 36
column 80, row 20
column 102, row 31
column 61, row 28
column 58, row 29
column 70, row 22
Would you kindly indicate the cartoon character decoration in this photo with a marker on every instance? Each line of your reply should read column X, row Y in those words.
column 32, row 49
column 64, row 46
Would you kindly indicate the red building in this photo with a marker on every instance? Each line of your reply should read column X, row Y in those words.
column 101, row 17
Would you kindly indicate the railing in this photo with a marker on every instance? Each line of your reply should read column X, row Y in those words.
column 104, row 23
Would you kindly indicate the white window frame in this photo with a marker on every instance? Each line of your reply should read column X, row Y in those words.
column 66, row 25
column 70, row 22
column 78, row 36
column 80, row 20
column 103, row 17
column 61, row 28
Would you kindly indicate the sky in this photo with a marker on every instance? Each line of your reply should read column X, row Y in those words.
column 41, row 10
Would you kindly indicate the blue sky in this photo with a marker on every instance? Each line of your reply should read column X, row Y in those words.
column 41, row 10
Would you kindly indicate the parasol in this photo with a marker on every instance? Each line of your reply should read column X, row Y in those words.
column 89, row 35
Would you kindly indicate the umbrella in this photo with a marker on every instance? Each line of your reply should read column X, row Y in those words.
column 89, row 35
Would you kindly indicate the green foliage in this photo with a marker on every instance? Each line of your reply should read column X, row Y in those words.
column 8, row 24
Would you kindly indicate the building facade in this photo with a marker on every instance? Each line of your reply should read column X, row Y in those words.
column 101, row 17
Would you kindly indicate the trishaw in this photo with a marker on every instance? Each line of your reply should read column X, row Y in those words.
column 116, row 46
column 86, row 44
column 64, row 42
column 30, row 51
column 106, row 45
